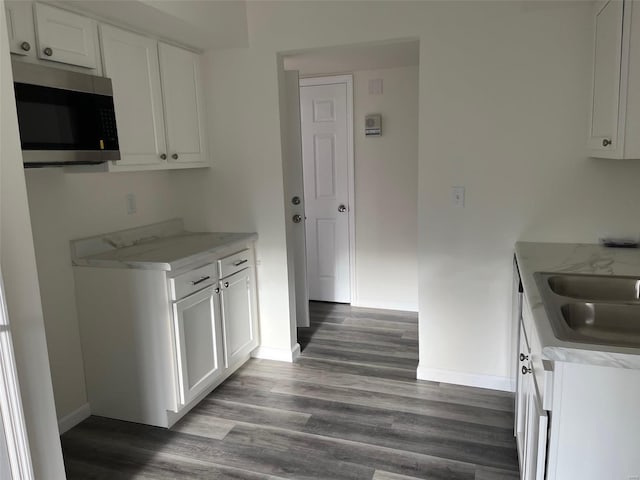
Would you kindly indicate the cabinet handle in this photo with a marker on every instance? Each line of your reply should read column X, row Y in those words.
column 202, row 279
column 48, row 52
column 226, row 284
column 26, row 46
column 525, row 370
column 174, row 156
column 606, row 142
column 163, row 156
column 523, row 357
column 240, row 262
column 217, row 290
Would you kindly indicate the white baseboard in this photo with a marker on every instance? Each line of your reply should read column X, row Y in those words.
column 381, row 304
column 278, row 354
column 491, row 382
column 67, row 422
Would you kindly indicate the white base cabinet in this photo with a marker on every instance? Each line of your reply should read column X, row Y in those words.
column 573, row 420
column 196, row 323
column 238, row 316
column 156, row 342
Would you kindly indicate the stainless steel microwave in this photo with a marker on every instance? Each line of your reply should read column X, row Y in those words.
column 65, row 118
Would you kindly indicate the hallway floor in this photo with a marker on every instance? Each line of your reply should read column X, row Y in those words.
column 349, row 408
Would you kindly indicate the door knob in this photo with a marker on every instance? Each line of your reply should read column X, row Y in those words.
column 174, row 156
column 26, row 46
column 606, row 142
column 295, row 200
column 297, row 218
column 523, row 357
column 48, row 52
column 163, row 156
column 342, row 209
column 525, row 370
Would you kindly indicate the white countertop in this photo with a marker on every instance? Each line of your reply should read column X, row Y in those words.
column 575, row 258
column 162, row 246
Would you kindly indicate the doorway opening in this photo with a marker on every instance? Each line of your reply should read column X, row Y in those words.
column 350, row 191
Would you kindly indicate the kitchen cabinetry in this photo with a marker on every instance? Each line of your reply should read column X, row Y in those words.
column 158, row 102
column 156, row 341
column 531, row 419
column 66, row 37
column 41, row 32
column 576, row 403
column 238, row 316
column 197, row 341
column 22, row 35
column 615, row 96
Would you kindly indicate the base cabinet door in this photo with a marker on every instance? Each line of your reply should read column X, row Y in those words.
column 535, row 442
column 198, row 346
column 238, row 316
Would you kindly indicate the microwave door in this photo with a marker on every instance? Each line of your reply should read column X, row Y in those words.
column 63, row 126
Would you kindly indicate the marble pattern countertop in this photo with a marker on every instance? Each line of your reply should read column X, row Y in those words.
column 575, row 258
column 161, row 246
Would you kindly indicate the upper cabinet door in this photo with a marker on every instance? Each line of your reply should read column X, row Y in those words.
column 65, row 37
column 22, row 36
column 605, row 131
column 131, row 61
column 183, row 105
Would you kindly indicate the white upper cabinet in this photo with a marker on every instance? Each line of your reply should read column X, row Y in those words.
column 131, row 61
column 158, row 102
column 22, row 36
column 615, row 94
column 606, row 76
column 183, row 105
column 66, row 37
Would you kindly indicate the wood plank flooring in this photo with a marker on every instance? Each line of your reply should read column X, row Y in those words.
column 349, row 408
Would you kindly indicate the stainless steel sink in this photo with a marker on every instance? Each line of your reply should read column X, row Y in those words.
column 596, row 287
column 610, row 323
column 596, row 309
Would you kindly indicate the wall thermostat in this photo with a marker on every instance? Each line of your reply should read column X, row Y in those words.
column 373, row 125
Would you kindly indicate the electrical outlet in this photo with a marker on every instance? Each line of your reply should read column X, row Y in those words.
column 131, row 204
column 457, row 196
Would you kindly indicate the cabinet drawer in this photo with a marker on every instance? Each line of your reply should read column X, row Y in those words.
column 192, row 281
column 234, row 263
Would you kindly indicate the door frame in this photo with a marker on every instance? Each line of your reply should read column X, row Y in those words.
column 11, row 412
column 348, row 81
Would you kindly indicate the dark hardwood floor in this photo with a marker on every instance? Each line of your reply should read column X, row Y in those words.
column 349, row 408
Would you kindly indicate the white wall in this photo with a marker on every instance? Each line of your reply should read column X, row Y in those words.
column 21, row 285
column 503, row 109
column 65, row 206
column 386, row 190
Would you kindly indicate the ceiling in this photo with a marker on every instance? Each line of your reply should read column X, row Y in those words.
column 199, row 24
column 354, row 57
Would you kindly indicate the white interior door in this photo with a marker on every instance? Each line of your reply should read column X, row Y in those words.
column 325, row 153
column 294, row 199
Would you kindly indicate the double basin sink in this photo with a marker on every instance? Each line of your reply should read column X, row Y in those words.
column 597, row 309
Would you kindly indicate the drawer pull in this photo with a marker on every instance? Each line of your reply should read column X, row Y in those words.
column 202, row 279
column 240, row 262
